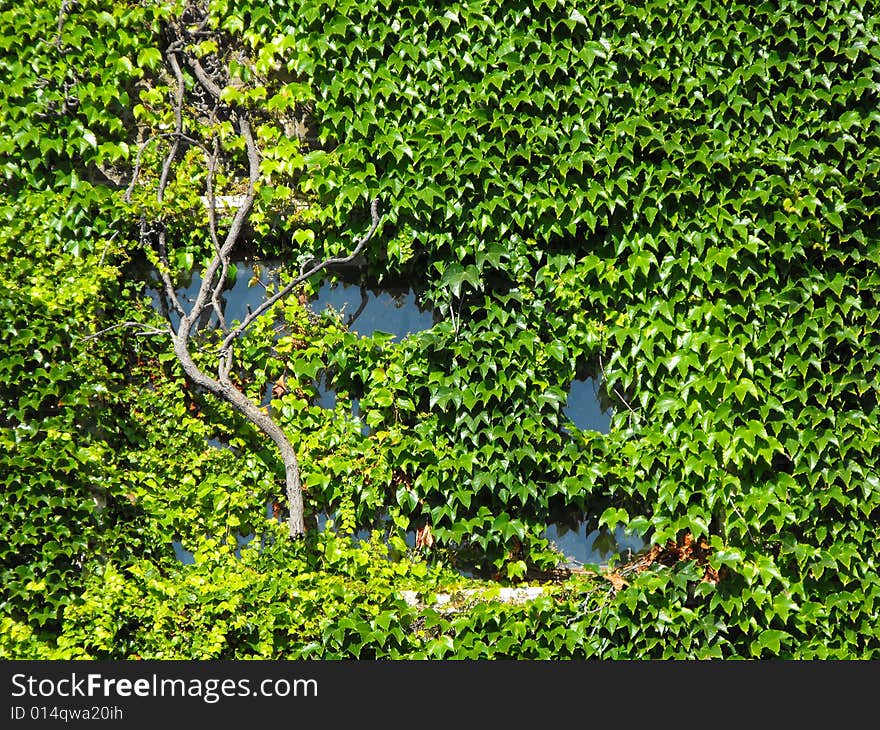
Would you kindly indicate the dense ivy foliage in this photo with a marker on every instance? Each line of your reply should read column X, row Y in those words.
column 681, row 197
column 676, row 198
column 60, row 418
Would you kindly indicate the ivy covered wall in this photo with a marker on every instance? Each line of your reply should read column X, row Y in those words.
column 675, row 198
column 680, row 198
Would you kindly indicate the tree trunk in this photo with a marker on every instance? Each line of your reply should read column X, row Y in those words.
column 226, row 390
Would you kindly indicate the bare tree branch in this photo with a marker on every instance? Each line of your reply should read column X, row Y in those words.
column 178, row 125
column 235, row 228
column 212, row 228
column 204, row 79
column 212, row 157
column 214, row 274
column 146, row 330
column 615, row 390
column 140, row 154
column 163, row 181
column 333, row 261
column 62, row 13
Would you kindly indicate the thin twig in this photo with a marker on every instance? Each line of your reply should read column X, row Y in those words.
column 748, row 531
column 212, row 197
column 107, row 246
column 178, row 126
column 452, row 312
column 163, row 182
column 284, row 291
column 142, row 148
column 164, row 268
column 212, row 226
column 357, row 312
column 616, row 392
column 146, row 330
column 61, row 15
